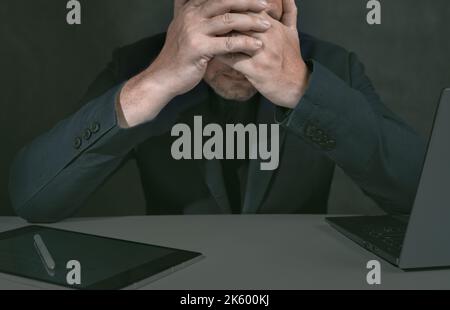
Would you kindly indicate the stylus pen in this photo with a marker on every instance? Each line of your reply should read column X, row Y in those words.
column 43, row 252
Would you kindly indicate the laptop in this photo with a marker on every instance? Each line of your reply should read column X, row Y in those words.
column 421, row 239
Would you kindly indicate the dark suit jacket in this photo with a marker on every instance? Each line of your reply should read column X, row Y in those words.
column 339, row 121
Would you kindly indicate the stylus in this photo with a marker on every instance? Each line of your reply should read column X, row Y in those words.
column 43, row 252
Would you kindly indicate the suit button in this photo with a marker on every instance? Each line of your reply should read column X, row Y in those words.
column 318, row 139
column 77, row 142
column 310, row 130
column 330, row 144
column 95, row 127
column 87, row 134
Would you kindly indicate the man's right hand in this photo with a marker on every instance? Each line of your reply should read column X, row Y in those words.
column 195, row 36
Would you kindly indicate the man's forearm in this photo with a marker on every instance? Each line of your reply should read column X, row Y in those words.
column 56, row 173
column 351, row 126
column 143, row 97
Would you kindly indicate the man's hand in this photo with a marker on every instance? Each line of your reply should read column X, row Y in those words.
column 194, row 37
column 277, row 70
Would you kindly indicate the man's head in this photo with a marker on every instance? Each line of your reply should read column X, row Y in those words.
column 229, row 83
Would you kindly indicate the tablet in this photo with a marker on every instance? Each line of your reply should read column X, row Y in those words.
column 82, row 261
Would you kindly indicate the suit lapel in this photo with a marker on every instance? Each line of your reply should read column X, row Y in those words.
column 258, row 180
column 212, row 172
column 210, row 169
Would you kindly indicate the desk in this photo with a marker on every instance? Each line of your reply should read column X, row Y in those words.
column 252, row 252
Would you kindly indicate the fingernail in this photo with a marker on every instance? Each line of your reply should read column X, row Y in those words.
column 265, row 23
column 258, row 43
column 263, row 3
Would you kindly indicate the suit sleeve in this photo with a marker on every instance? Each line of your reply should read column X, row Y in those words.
column 55, row 174
column 349, row 122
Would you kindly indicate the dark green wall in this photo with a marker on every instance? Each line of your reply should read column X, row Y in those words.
column 47, row 65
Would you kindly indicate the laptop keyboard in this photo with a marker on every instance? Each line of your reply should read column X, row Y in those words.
column 384, row 232
column 391, row 237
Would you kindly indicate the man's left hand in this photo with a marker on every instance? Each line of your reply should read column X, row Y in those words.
column 277, row 70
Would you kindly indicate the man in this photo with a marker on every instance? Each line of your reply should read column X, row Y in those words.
column 238, row 61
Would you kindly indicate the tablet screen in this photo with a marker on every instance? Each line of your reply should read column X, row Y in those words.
column 104, row 263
